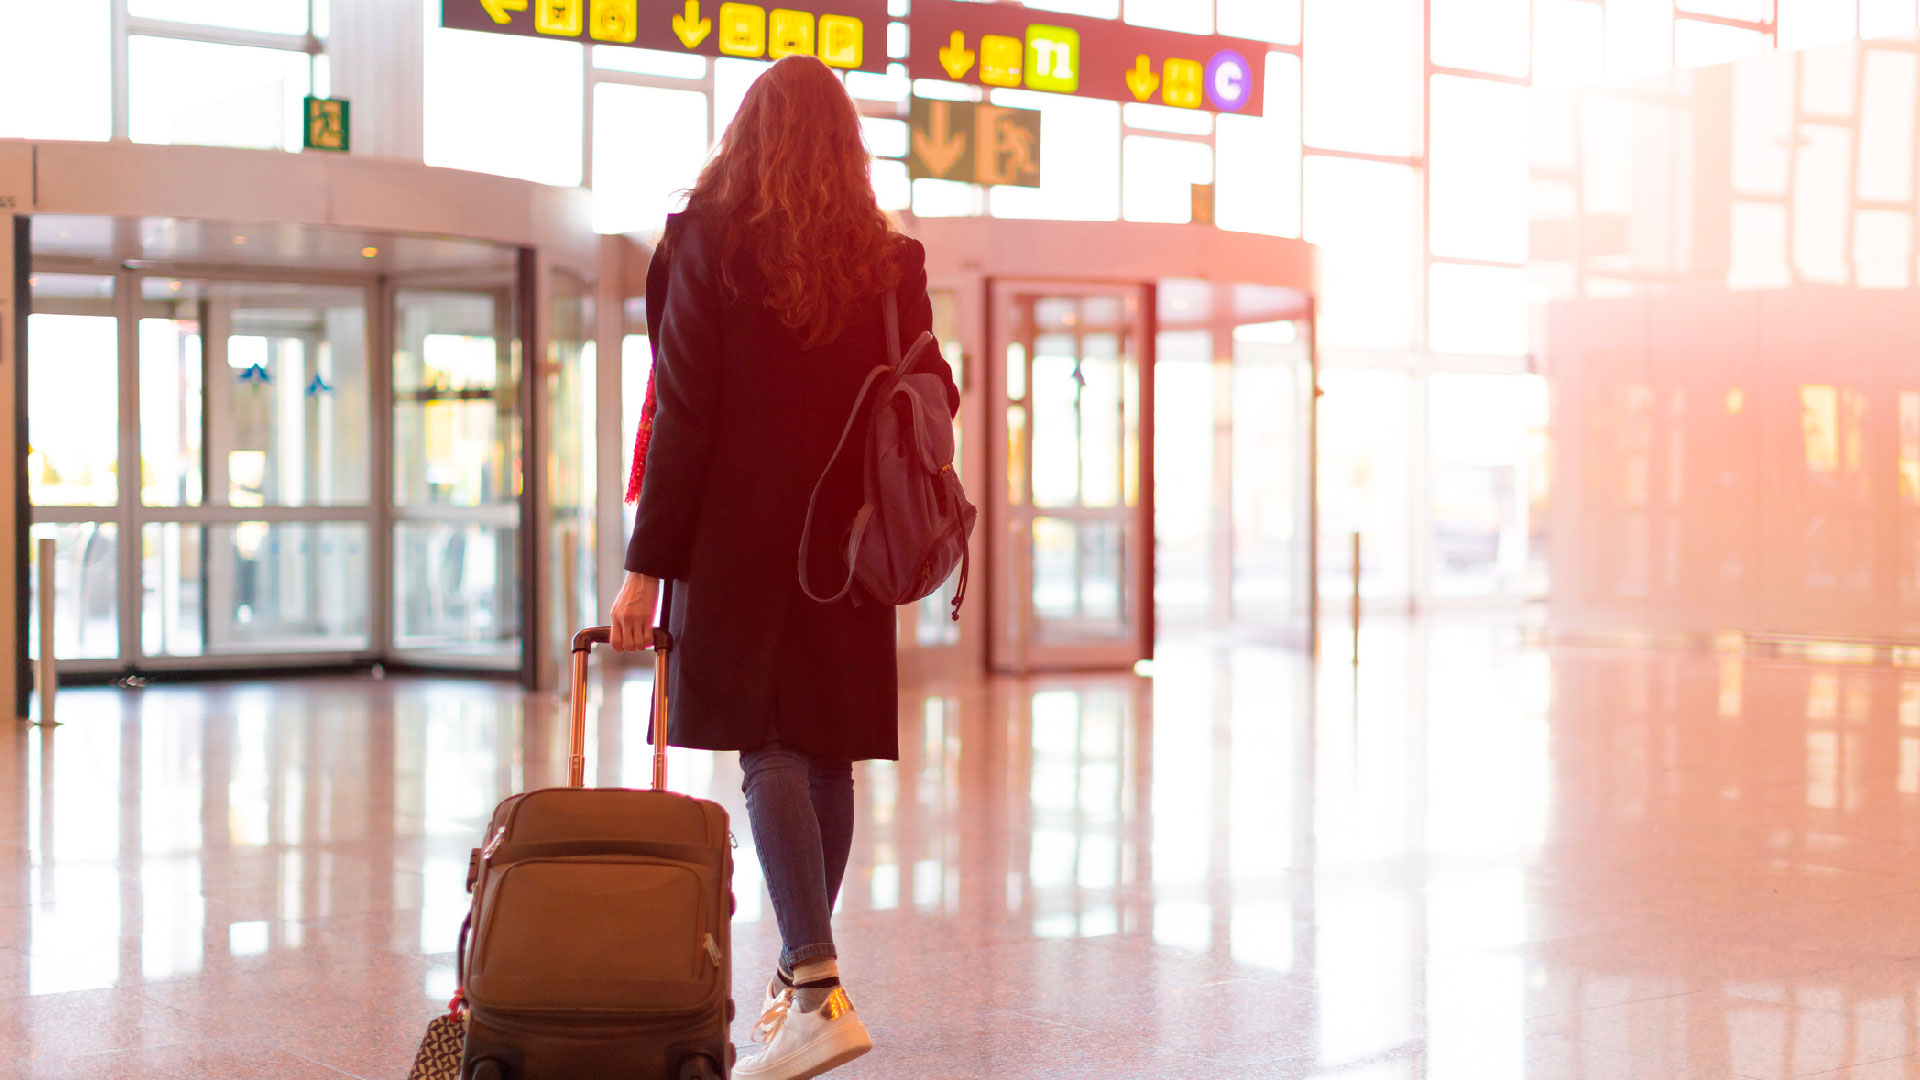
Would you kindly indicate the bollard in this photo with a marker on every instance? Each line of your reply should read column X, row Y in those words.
column 1356, row 598
column 48, row 677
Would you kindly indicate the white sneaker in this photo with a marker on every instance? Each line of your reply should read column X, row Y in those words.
column 778, row 992
column 802, row 1045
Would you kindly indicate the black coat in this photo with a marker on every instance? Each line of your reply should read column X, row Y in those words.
column 745, row 421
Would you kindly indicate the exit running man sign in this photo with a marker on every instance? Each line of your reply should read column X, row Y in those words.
column 850, row 35
column 1011, row 46
column 973, row 143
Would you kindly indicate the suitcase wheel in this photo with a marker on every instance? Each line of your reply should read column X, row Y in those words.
column 699, row 1067
column 487, row 1069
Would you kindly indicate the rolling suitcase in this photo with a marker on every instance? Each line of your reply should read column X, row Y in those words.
column 600, row 943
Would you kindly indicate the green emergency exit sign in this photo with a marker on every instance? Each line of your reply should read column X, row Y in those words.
column 328, row 125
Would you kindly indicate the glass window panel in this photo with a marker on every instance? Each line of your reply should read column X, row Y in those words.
column 1880, row 18
column 1763, row 119
column 948, row 198
column 1479, row 169
column 1639, row 37
column 1363, row 76
column 1269, row 477
column 637, row 182
column 254, row 587
column 56, row 63
column 1182, row 15
column 1184, row 434
column 892, row 187
column 1477, row 309
column 731, row 79
column 73, row 379
column 1482, row 35
column 1139, row 114
column 273, row 16
column 1757, row 257
column 1568, row 44
column 511, row 106
column 456, row 590
column 172, row 367
column 1363, row 214
column 1262, row 20
column 1551, row 143
column 1079, row 578
column 649, row 62
column 1099, row 9
column 1700, row 44
column 287, row 415
column 1079, row 160
column 884, row 138
column 1257, row 160
column 1805, row 23
column 1753, row 10
column 1056, row 403
column 1161, row 174
column 1364, row 457
column 1883, row 249
column 86, row 593
column 1480, row 430
column 1826, row 82
column 1821, row 178
column 1886, row 126
column 216, row 95
column 456, row 429
column 870, row 86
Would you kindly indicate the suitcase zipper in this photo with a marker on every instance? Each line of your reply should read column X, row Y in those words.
column 713, row 949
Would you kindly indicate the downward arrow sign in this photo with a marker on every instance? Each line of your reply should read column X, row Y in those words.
column 499, row 8
column 1141, row 80
column 955, row 57
column 690, row 28
column 940, row 147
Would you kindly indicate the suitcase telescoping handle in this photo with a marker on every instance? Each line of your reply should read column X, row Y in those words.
column 583, row 643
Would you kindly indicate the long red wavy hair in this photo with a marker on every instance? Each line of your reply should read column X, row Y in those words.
column 792, row 174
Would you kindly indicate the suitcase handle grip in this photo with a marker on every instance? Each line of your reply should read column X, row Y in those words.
column 583, row 643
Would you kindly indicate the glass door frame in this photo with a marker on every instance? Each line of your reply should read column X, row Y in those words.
column 130, row 515
column 511, row 321
column 1011, row 645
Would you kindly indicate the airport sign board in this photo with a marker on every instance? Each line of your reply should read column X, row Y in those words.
column 850, row 35
column 973, row 143
column 1014, row 47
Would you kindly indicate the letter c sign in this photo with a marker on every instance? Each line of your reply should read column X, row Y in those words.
column 1229, row 81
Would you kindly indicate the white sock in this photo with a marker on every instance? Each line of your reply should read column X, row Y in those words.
column 809, row 971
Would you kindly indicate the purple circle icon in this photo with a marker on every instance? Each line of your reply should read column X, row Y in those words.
column 1229, row 81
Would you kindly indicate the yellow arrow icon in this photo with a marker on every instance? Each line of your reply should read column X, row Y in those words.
column 940, row 147
column 955, row 57
column 499, row 8
column 690, row 28
column 1141, row 80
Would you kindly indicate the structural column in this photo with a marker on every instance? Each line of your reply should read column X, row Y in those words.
column 16, row 195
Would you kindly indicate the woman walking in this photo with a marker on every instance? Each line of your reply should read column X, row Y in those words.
column 765, row 312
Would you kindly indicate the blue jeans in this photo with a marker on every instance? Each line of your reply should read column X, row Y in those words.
column 802, row 816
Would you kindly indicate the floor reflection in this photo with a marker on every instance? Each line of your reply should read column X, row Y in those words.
column 1470, row 858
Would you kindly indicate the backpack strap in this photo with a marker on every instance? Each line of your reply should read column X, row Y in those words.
column 860, row 520
column 857, row 532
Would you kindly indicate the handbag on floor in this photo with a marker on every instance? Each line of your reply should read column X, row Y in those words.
column 440, row 1048
column 598, row 940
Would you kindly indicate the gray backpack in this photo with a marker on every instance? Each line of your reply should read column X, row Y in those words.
column 915, row 521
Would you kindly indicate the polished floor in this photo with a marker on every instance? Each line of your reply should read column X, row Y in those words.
column 1478, row 859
